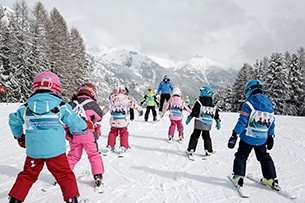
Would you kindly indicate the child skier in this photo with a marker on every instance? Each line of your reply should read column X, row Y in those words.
column 84, row 104
column 151, row 100
column 255, row 128
column 175, row 105
column 44, row 139
column 204, row 112
column 119, row 105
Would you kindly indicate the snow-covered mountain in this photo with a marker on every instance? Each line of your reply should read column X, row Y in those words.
column 139, row 72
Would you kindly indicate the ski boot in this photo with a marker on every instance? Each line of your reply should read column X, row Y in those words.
column 72, row 200
column 239, row 180
column 181, row 136
column 170, row 139
column 272, row 182
column 98, row 179
column 14, row 200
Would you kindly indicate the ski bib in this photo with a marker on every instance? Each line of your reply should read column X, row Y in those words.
column 206, row 114
column 259, row 123
column 118, row 109
column 176, row 109
column 79, row 108
column 34, row 121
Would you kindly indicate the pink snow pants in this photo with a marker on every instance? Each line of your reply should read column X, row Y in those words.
column 172, row 127
column 88, row 143
column 58, row 166
column 114, row 132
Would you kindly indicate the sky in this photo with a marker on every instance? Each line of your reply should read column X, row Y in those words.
column 232, row 32
column 156, row 171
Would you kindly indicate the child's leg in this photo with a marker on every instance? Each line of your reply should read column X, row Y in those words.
column 241, row 156
column 180, row 125
column 124, row 137
column 26, row 178
column 267, row 165
column 60, row 169
column 171, row 130
column 95, row 159
column 74, row 154
column 207, row 142
column 194, row 140
column 112, row 136
column 147, row 113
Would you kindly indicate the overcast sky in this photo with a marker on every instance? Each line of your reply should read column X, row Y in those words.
column 229, row 31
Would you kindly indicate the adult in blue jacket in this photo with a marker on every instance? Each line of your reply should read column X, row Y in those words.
column 255, row 128
column 165, row 88
column 38, row 126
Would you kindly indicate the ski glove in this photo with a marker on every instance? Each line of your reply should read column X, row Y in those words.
column 232, row 140
column 218, row 125
column 21, row 141
column 270, row 142
column 141, row 113
column 188, row 120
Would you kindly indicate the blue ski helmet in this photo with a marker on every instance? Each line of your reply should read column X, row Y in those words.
column 206, row 91
column 253, row 85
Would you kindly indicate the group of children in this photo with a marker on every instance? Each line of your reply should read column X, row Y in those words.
column 48, row 120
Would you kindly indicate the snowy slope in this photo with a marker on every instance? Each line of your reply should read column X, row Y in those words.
column 156, row 171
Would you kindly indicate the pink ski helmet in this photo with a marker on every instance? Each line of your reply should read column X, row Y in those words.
column 47, row 81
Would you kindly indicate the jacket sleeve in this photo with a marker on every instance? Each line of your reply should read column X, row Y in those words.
column 159, row 88
column 16, row 122
column 74, row 122
column 243, row 119
column 195, row 110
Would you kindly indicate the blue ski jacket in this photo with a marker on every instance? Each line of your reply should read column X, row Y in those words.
column 261, row 104
column 165, row 87
column 42, row 120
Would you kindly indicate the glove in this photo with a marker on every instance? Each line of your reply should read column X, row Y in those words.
column 270, row 142
column 69, row 136
column 218, row 125
column 232, row 140
column 141, row 113
column 90, row 124
column 98, row 130
column 21, row 141
column 188, row 120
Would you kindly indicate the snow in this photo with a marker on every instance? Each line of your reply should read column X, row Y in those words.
column 157, row 171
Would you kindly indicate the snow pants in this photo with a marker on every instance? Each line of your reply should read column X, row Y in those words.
column 154, row 113
column 207, row 142
column 114, row 132
column 162, row 100
column 241, row 156
column 59, row 168
column 89, row 144
column 172, row 127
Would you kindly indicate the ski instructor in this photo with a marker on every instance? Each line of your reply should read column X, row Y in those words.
column 165, row 87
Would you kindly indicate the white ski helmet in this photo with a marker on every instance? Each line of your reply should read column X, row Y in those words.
column 177, row 91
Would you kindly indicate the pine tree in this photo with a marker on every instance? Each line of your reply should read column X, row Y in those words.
column 245, row 74
column 277, row 85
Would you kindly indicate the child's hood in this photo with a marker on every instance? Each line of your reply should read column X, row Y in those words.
column 43, row 102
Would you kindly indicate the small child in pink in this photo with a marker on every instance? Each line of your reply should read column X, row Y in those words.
column 119, row 106
column 175, row 106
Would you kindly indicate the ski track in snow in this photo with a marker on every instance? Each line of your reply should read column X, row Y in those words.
column 157, row 171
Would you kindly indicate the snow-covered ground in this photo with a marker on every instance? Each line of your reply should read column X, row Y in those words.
column 156, row 171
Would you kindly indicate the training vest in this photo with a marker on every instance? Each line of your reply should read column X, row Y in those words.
column 118, row 108
column 206, row 114
column 259, row 123
column 45, row 121
column 79, row 108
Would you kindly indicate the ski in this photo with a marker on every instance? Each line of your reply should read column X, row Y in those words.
column 80, row 177
column 190, row 156
column 282, row 192
column 123, row 152
column 241, row 190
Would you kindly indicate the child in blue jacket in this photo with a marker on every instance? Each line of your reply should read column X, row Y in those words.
column 38, row 126
column 255, row 128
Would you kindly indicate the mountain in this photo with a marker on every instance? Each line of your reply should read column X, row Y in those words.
column 139, row 72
